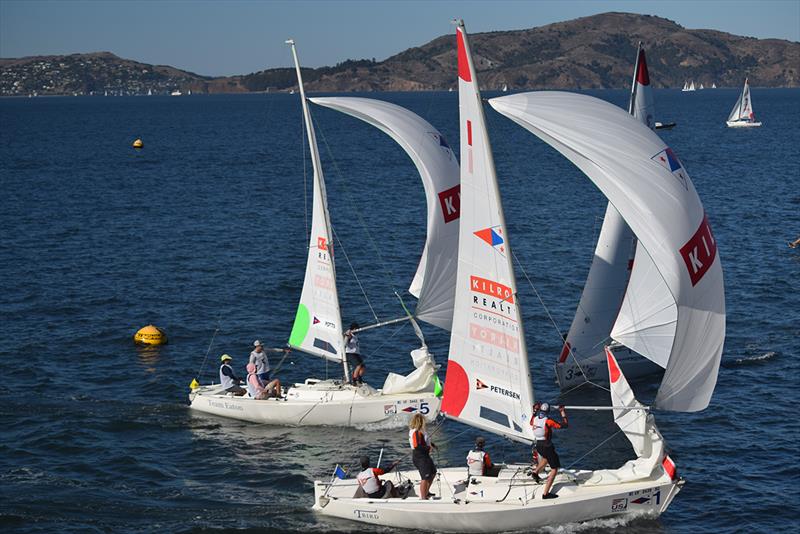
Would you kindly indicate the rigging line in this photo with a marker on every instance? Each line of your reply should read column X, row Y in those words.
column 550, row 316
column 352, row 269
column 388, row 272
column 208, row 350
column 305, row 178
column 386, row 340
column 602, row 442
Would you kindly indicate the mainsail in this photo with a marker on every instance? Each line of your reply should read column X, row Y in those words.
column 488, row 382
column 743, row 110
column 317, row 326
column 435, row 278
column 608, row 280
column 649, row 187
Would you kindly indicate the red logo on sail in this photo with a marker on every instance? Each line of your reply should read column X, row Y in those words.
column 699, row 252
column 450, row 200
column 322, row 243
column 491, row 288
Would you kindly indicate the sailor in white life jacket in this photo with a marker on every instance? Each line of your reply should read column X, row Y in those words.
column 371, row 485
column 478, row 461
column 542, row 431
column 228, row 379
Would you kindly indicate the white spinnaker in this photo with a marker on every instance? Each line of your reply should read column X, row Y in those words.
column 743, row 110
column 607, row 283
column 435, row 279
column 648, row 305
column 317, row 325
column 488, row 383
column 648, row 185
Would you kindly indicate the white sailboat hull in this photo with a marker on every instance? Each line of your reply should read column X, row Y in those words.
column 742, row 124
column 458, row 507
column 570, row 374
column 317, row 403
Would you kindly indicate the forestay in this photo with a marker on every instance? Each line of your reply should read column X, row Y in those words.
column 488, row 382
column 317, row 325
column 434, row 281
column 647, row 184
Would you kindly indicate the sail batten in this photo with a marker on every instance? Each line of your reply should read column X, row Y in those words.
column 651, row 189
column 488, row 381
column 434, row 281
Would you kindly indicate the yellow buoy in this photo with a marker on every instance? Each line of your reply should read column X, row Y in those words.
column 138, row 144
column 150, row 335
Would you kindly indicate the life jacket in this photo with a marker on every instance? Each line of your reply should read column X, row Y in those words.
column 540, row 430
column 252, row 390
column 351, row 345
column 419, row 440
column 475, row 462
column 368, row 481
column 225, row 380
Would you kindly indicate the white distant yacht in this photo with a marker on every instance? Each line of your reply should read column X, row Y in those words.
column 176, row 92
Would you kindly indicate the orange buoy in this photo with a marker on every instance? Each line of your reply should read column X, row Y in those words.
column 150, row 335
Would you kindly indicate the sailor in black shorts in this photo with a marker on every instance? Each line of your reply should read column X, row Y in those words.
column 421, row 445
column 353, row 354
column 542, row 430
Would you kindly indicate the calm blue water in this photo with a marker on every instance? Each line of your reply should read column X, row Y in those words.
column 203, row 229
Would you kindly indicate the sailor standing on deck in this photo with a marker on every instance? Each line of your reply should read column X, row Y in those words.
column 542, row 431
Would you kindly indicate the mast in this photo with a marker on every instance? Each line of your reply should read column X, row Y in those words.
column 318, row 316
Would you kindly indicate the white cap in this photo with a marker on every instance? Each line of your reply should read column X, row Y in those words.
column 544, row 407
column 256, row 343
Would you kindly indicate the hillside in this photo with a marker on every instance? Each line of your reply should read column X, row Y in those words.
column 589, row 52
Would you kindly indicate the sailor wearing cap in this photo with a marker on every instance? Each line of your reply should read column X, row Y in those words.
column 259, row 358
column 478, row 461
column 228, row 379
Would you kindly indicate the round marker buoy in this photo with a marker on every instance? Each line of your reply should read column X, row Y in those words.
column 138, row 144
column 150, row 335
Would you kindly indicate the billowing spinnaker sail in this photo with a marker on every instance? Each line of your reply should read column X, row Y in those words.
column 435, row 279
column 488, row 381
column 647, row 184
column 317, row 325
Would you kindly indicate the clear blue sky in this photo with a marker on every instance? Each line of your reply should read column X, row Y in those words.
column 238, row 37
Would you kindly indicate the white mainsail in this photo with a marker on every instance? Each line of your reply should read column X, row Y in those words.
column 743, row 110
column 435, row 278
column 608, row 280
column 648, row 185
column 691, row 86
column 317, row 325
column 488, row 382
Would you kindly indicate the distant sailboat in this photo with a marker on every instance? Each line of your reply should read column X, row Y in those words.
column 692, row 87
column 701, row 86
column 685, row 86
column 742, row 115
column 713, row 85
column 505, row 87
column 176, row 92
column 149, row 92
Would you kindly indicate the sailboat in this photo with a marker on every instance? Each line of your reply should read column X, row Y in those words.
column 488, row 384
column 505, row 88
column 713, row 85
column 701, row 86
column 605, row 302
column 692, row 87
column 742, row 115
column 685, row 86
column 317, row 329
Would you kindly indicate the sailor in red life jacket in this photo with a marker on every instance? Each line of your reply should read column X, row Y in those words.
column 542, row 430
column 373, row 486
column 479, row 463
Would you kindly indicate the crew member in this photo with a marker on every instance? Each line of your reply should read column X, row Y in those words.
column 259, row 358
column 353, row 353
column 373, row 486
column 542, row 431
column 260, row 391
column 228, row 379
column 421, row 456
column 478, row 461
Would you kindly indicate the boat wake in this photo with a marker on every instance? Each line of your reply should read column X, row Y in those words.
column 609, row 524
column 752, row 360
column 398, row 421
